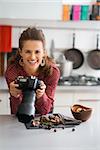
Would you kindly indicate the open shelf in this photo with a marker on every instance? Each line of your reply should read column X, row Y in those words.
column 52, row 24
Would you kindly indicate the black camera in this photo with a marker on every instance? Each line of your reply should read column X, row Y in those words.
column 26, row 109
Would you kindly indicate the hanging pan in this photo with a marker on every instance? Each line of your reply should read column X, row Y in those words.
column 93, row 57
column 74, row 55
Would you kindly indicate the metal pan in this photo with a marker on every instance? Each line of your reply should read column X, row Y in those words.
column 93, row 57
column 74, row 55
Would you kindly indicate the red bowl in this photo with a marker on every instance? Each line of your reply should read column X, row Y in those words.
column 81, row 112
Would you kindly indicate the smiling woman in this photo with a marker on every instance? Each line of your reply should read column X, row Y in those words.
column 31, row 59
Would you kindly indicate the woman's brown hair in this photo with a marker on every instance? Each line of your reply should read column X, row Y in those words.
column 33, row 34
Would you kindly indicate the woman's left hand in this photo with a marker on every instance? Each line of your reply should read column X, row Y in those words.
column 41, row 91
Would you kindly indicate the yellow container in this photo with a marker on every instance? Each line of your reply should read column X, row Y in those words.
column 65, row 12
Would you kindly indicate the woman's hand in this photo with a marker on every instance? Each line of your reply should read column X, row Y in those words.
column 41, row 91
column 14, row 91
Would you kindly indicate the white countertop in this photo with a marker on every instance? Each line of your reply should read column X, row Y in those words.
column 14, row 135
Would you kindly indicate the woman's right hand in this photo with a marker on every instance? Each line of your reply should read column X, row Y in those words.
column 14, row 91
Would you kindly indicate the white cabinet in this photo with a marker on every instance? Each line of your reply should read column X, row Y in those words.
column 4, row 102
column 83, row 96
column 67, row 96
column 63, row 99
column 90, row 94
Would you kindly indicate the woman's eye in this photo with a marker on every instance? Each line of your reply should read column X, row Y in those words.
column 37, row 51
column 28, row 51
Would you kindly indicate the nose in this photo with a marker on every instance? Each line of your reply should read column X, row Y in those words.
column 33, row 56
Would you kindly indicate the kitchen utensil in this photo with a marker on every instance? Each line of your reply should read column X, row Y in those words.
column 66, row 66
column 93, row 57
column 52, row 47
column 74, row 55
column 81, row 112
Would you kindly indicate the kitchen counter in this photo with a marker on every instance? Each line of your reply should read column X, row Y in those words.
column 14, row 135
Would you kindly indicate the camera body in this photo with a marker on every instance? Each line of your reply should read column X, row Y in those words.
column 26, row 109
column 28, row 83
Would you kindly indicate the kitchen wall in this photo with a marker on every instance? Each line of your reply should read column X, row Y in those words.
column 31, row 9
column 36, row 9
column 85, row 41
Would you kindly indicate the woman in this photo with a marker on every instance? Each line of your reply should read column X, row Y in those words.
column 31, row 60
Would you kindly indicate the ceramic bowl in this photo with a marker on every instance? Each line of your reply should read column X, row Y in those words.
column 81, row 112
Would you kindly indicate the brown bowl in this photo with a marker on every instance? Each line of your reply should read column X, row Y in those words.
column 81, row 112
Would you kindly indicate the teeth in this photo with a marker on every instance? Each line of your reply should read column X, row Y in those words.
column 32, row 62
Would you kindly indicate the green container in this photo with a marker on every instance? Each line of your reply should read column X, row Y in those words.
column 84, row 12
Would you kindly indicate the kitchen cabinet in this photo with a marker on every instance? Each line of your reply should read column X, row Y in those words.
column 89, row 96
column 68, row 95
column 63, row 98
column 4, row 102
column 4, row 97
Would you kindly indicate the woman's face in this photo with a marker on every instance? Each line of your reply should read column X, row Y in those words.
column 32, row 54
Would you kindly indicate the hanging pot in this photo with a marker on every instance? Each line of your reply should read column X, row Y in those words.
column 74, row 55
column 93, row 57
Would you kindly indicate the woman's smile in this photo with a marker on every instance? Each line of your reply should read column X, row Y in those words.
column 33, row 62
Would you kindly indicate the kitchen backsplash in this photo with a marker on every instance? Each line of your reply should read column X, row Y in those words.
column 85, row 41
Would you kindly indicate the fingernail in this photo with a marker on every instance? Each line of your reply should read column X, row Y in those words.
column 18, row 95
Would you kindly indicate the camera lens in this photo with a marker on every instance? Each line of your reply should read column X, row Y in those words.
column 24, row 118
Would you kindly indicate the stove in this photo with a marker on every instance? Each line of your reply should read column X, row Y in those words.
column 81, row 80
